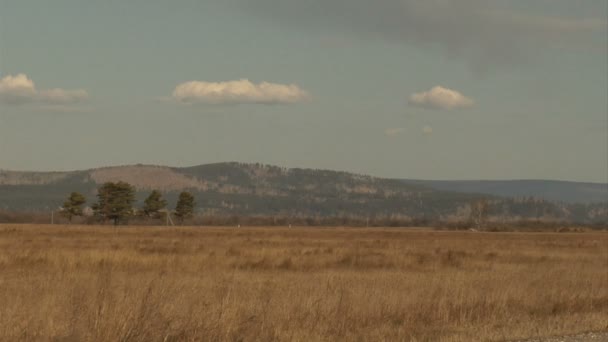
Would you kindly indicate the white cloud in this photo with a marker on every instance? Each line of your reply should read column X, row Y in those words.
column 440, row 98
column 393, row 132
column 428, row 130
column 19, row 90
column 238, row 92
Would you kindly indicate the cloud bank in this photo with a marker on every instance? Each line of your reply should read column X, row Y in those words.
column 483, row 32
column 238, row 92
column 440, row 98
column 20, row 90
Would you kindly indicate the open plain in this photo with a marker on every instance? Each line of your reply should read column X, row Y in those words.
column 86, row 283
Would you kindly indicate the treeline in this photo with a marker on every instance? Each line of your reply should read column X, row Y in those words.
column 530, row 225
column 115, row 203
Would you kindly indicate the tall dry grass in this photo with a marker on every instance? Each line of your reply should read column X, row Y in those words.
column 87, row 283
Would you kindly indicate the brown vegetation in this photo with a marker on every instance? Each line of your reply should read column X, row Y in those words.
column 225, row 284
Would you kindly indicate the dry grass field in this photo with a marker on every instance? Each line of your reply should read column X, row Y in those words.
column 60, row 283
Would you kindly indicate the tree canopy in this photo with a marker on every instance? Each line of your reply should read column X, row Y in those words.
column 73, row 205
column 153, row 204
column 115, row 202
column 185, row 207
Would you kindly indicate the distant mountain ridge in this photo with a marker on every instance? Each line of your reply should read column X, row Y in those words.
column 563, row 191
column 257, row 189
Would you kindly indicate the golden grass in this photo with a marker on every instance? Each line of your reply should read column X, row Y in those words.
column 64, row 283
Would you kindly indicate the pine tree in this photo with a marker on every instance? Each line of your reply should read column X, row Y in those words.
column 154, row 204
column 115, row 202
column 185, row 206
column 73, row 205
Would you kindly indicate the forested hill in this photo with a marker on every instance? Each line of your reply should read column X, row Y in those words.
column 255, row 189
column 570, row 192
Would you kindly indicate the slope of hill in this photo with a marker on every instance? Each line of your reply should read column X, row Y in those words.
column 570, row 192
column 255, row 189
column 234, row 188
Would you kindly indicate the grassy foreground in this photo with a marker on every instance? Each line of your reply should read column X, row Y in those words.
column 269, row 284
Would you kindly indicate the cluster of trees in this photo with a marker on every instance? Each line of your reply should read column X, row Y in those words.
column 115, row 203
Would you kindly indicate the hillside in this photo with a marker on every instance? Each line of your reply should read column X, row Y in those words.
column 570, row 192
column 255, row 189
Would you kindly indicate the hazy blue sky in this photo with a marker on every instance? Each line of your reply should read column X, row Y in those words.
column 468, row 89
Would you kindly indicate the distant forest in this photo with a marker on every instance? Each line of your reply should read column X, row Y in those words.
column 236, row 190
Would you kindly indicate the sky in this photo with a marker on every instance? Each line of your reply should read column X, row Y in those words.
column 468, row 89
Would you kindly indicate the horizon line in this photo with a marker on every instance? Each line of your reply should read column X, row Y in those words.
column 310, row 168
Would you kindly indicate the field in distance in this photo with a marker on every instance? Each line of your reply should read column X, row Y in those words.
column 83, row 283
